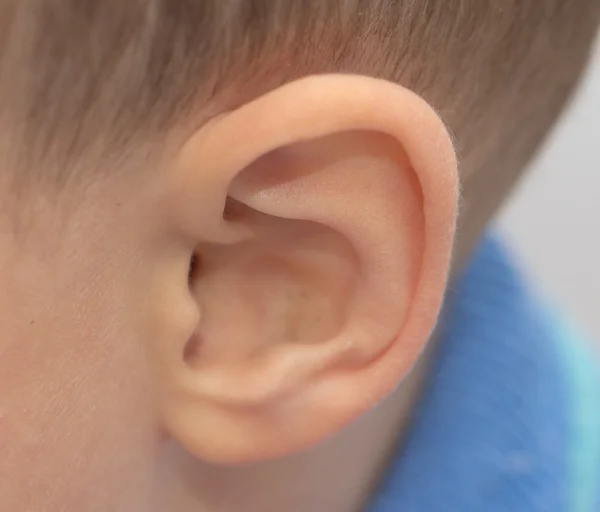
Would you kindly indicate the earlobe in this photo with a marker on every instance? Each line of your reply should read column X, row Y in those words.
column 322, row 285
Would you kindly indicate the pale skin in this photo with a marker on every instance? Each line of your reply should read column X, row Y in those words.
column 276, row 376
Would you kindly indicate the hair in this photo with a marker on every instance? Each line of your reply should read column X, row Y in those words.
column 87, row 84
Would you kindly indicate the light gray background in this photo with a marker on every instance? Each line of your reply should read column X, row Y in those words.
column 554, row 218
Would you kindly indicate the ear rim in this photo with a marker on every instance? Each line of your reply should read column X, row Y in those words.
column 427, row 161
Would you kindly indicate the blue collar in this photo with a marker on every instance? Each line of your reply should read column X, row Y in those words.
column 489, row 432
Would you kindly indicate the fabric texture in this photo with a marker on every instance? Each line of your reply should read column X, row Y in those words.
column 507, row 422
column 583, row 384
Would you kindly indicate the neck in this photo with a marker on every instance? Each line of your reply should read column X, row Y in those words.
column 338, row 476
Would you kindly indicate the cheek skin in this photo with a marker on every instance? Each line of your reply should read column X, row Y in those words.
column 77, row 426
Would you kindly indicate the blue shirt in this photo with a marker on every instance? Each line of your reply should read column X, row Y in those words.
column 510, row 420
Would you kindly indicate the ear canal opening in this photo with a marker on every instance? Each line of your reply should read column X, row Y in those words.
column 193, row 270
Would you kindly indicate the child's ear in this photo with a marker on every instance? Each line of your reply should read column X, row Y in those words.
column 323, row 217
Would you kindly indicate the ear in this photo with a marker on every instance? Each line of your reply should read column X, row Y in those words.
column 322, row 216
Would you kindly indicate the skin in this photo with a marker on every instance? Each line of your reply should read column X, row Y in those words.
column 128, row 387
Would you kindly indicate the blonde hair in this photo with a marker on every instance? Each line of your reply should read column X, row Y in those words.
column 83, row 83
